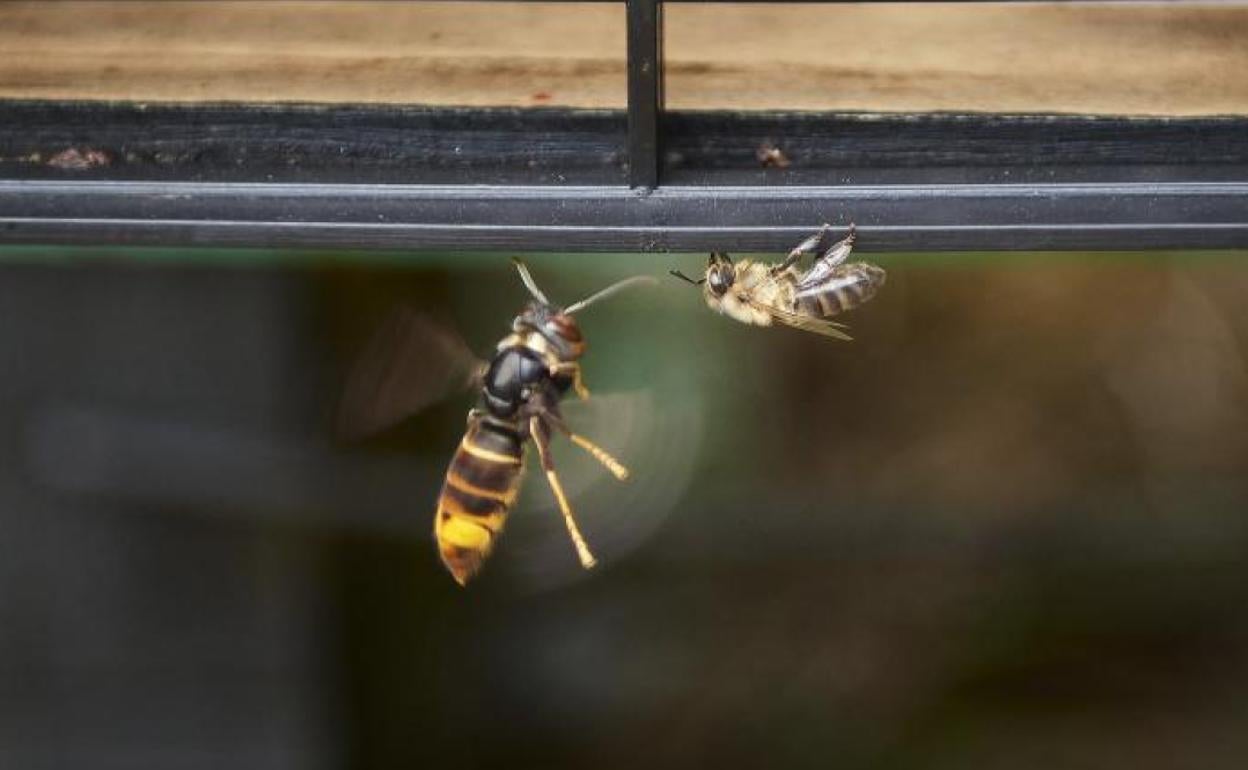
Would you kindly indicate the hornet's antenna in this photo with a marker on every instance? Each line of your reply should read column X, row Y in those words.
column 529, row 283
column 618, row 286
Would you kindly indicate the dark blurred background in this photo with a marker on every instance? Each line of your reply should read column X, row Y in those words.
column 1005, row 527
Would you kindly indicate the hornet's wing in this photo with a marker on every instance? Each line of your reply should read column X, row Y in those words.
column 410, row 363
column 658, row 444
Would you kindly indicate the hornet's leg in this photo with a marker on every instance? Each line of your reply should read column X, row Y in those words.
column 598, row 453
column 808, row 246
column 839, row 251
column 541, row 437
column 572, row 368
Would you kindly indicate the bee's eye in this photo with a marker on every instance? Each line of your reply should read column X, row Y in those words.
column 719, row 281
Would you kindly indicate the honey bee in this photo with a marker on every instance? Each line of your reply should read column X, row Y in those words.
column 761, row 294
column 520, row 390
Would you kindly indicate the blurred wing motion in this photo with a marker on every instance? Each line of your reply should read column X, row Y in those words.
column 658, row 444
column 411, row 362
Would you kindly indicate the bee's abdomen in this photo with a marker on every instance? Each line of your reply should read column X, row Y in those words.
column 848, row 287
column 480, row 486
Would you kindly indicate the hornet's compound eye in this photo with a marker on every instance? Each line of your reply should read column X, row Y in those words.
column 565, row 326
column 719, row 279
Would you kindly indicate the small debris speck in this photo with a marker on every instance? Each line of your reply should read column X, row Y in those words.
column 75, row 159
column 772, row 156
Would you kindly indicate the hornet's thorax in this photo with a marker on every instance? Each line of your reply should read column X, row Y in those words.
column 533, row 363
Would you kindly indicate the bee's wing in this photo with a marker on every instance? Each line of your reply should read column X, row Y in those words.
column 805, row 323
column 818, row 273
column 410, row 363
column 658, row 445
column 834, row 280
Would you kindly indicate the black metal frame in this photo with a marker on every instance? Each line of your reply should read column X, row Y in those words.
column 643, row 180
column 645, row 91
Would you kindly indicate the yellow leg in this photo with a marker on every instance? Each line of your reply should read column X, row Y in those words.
column 615, row 466
column 536, row 430
column 598, row 453
column 578, row 383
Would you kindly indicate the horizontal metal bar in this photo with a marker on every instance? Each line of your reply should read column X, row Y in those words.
column 696, row 218
column 825, row 2
column 437, row 146
column 310, row 143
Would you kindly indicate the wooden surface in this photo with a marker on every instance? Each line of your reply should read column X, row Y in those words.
column 1104, row 59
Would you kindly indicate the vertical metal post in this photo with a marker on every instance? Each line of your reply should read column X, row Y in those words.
column 645, row 90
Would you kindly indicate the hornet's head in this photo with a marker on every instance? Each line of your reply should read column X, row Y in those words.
column 555, row 324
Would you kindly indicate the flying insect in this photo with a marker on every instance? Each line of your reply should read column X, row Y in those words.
column 520, row 388
column 761, row 294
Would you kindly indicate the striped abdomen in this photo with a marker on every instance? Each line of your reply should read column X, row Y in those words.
column 845, row 288
column 481, row 484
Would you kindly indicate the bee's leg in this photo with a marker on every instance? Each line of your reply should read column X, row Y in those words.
column 839, row 251
column 541, row 437
column 598, row 453
column 572, row 368
column 808, row 246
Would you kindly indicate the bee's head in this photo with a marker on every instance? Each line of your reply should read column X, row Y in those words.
column 720, row 274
